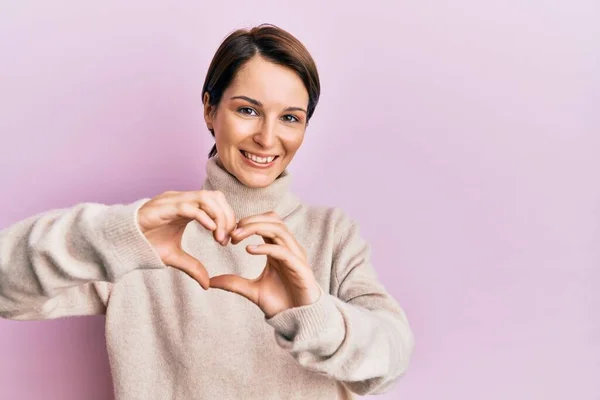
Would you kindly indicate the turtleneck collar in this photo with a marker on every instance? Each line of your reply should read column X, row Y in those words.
column 246, row 201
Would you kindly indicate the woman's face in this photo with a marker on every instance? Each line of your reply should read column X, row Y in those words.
column 261, row 115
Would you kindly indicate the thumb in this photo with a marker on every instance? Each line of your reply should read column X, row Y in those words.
column 191, row 266
column 236, row 284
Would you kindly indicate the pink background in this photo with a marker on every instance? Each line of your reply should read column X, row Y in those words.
column 464, row 138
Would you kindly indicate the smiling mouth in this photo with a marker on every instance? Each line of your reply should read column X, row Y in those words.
column 259, row 160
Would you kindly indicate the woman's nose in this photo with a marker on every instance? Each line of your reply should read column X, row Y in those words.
column 266, row 134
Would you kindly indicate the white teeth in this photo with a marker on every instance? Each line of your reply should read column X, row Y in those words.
column 260, row 160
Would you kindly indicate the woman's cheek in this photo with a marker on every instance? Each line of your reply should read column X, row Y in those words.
column 242, row 126
column 294, row 139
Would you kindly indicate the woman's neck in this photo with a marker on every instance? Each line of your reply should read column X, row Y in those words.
column 246, row 201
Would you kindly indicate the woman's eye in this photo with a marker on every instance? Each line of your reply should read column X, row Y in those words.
column 247, row 111
column 290, row 118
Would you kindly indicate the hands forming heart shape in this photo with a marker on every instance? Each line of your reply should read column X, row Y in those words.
column 287, row 280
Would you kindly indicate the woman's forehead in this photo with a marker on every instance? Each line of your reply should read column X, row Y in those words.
column 268, row 82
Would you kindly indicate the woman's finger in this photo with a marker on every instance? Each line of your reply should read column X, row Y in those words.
column 295, row 267
column 236, row 284
column 273, row 217
column 272, row 232
column 270, row 216
column 191, row 266
column 230, row 223
column 192, row 212
column 198, row 205
column 211, row 206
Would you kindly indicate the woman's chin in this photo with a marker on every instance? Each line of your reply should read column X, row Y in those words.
column 255, row 178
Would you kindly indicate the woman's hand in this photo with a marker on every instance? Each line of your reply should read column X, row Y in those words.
column 287, row 280
column 164, row 218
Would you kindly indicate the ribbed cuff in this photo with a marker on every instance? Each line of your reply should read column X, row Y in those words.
column 127, row 242
column 308, row 322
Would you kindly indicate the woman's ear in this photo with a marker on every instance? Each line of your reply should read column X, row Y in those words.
column 208, row 111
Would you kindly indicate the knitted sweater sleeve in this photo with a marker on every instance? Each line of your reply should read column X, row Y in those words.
column 358, row 335
column 63, row 262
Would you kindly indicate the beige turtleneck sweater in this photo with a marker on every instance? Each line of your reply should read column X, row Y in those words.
column 168, row 338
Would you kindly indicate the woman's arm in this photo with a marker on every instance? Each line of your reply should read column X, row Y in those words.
column 62, row 262
column 359, row 334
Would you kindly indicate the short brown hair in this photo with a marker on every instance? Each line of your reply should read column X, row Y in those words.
column 272, row 43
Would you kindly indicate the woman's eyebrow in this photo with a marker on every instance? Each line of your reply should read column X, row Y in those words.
column 296, row 109
column 259, row 104
column 249, row 100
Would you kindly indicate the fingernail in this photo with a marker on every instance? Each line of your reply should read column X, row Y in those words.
column 238, row 230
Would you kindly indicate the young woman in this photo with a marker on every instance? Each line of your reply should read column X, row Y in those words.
column 234, row 291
